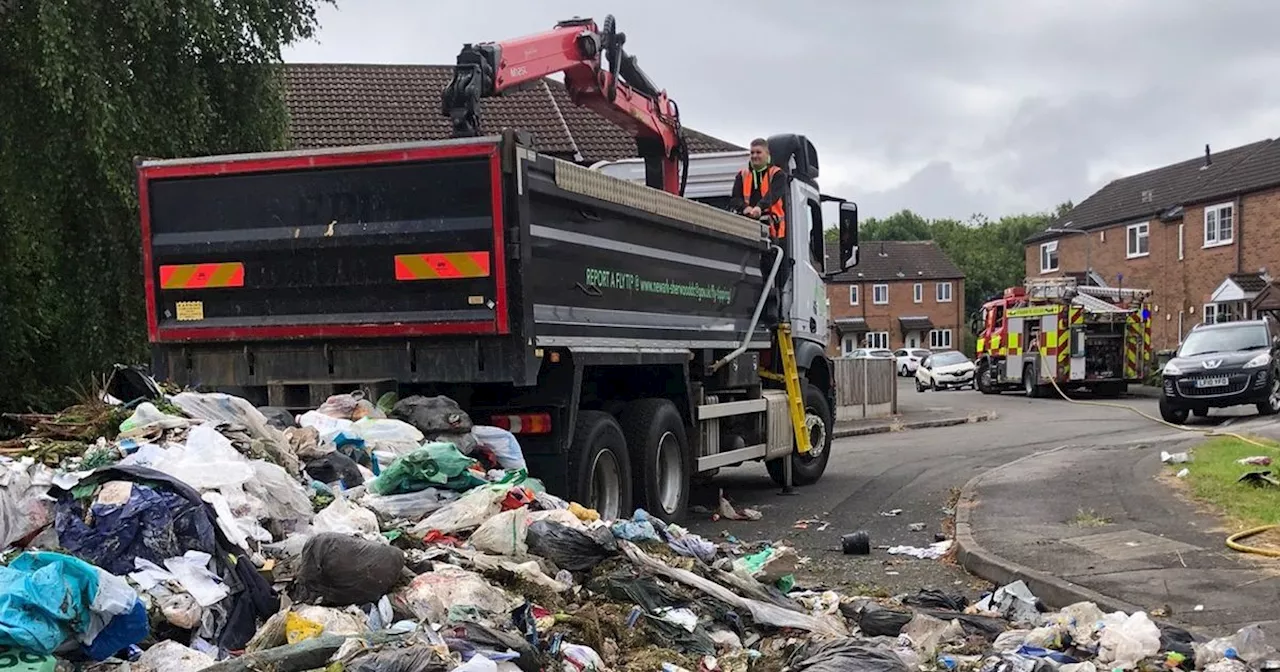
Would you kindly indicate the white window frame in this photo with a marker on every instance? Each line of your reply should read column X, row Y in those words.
column 876, row 340
column 917, row 292
column 940, row 339
column 848, row 344
column 1209, row 314
column 1134, row 237
column 875, row 295
column 1213, row 236
column 1046, row 249
column 853, row 295
column 939, row 294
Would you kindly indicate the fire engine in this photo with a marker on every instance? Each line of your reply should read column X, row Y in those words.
column 1056, row 331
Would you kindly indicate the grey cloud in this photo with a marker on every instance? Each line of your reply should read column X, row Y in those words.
column 1007, row 105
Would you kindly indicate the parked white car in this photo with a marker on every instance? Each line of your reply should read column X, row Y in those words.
column 870, row 353
column 909, row 360
column 940, row 370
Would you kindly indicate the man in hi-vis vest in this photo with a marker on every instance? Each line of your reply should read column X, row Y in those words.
column 758, row 193
column 758, row 190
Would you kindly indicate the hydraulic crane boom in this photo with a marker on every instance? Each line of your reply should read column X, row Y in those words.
column 623, row 94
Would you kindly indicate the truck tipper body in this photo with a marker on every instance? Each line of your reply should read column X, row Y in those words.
column 616, row 329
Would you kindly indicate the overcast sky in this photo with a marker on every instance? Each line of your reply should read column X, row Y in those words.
column 946, row 107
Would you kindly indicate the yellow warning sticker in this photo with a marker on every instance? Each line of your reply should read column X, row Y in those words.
column 190, row 311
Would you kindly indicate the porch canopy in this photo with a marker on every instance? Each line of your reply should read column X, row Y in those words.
column 915, row 323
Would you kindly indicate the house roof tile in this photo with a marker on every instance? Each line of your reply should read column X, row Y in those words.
column 334, row 105
column 1162, row 190
column 891, row 260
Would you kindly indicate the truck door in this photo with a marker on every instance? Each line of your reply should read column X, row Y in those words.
column 807, row 292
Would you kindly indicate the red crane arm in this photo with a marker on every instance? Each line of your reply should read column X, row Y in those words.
column 623, row 94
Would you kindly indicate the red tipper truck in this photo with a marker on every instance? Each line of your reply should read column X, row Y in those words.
column 615, row 328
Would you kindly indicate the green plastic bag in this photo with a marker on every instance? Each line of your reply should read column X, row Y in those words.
column 434, row 464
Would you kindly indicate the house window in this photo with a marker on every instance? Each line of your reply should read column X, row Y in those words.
column 944, row 292
column 917, row 292
column 1181, row 253
column 848, row 344
column 876, row 339
column 880, row 294
column 1139, row 240
column 853, row 295
column 1049, row 256
column 1230, row 311
column 940, row 339
column 1219, row 225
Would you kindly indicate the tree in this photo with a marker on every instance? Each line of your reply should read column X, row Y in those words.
column 85, row 86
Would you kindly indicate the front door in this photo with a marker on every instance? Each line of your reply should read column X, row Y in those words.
column 913, row 339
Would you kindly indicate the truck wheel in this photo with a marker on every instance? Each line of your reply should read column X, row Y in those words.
column 807, row 469
column 1030, row 386
column 600, row 465
column 982, row 381
column 661, row 463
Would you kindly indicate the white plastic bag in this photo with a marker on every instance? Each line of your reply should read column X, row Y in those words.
column 341, row 406
column 328, row 427
column 387, row 439
column 224, row 409
column 504, row 534
column 430, row 595
column 410, row 506
column 1127, row 642
column 24, row 502
column 207, row 461
column 170, row 656
column 345, row 517
column 147, row 419
column 503, row 444
column 469, row 511
column 283, row 498
column 927, row 635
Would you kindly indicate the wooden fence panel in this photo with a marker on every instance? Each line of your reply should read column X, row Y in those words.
column 871, row 385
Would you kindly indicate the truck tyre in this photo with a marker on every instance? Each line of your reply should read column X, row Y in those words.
column 661, row 463
column 982, row 381
column 807, row 469
column 600, row 466
column 1030, row 386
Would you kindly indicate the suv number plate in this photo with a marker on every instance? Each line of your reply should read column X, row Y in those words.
column 1211, row 382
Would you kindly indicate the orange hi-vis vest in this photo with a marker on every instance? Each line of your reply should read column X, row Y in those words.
column 777, row 214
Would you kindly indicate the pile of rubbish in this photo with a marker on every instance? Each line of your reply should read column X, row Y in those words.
column 202, row 533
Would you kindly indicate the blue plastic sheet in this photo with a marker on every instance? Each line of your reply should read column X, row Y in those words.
column 153, row 524
column 122, row 632
column 44, row 600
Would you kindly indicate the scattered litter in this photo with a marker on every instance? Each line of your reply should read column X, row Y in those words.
column 1183, row 473
column 727, row 512
column 218, row 531
column 1256, row 460
column 1259, row 479
column 1174, row 458
column 931, row 552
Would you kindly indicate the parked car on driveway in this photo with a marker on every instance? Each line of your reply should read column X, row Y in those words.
column 940, row 370
column 1221, row 365
column 909, row 360
column 870, row 353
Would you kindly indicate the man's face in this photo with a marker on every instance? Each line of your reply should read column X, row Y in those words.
column 759, row 156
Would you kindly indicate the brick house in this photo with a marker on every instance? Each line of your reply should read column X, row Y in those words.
column 901, row 294
column 1202, row 234
column 332, row 105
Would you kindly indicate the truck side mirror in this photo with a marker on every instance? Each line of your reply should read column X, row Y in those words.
column 848, row 235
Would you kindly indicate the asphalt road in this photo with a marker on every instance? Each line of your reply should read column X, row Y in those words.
column 919, row 472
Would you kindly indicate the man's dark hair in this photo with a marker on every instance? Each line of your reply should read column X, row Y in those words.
column 760, row 142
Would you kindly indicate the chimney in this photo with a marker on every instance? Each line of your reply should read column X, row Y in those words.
column 1208, row 158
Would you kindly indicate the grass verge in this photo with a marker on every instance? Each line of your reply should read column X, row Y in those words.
column 1214, row 474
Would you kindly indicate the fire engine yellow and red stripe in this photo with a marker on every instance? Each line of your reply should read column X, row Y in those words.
column 202, row 276
column 442, row 266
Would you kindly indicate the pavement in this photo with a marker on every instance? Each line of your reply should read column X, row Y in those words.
column 1096, row 523
column 922, row 473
